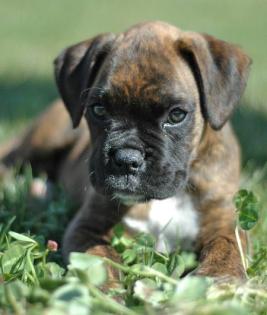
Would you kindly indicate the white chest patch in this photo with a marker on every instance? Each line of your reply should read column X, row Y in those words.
column 173, row 221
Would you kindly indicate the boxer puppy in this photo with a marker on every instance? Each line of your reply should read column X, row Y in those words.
column 162, row 157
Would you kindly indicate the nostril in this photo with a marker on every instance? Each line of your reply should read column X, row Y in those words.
column 135, row 164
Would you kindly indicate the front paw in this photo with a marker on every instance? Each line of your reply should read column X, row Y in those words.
column 220, row 259
column 220, row 274
column 113, row 275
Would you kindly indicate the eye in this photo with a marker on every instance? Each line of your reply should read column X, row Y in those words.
column 99, row 111
column 176, row 116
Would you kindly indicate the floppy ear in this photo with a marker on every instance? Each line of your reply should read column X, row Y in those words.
column 221, row 71
column 76, row 69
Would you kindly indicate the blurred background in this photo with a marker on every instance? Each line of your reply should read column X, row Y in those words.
column 33, row 32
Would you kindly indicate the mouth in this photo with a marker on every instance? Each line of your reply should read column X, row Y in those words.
column 131, row 192
column 130, row 189
column 125, row 184
column 127, row 189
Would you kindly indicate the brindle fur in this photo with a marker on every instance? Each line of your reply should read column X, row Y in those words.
column 51, row 144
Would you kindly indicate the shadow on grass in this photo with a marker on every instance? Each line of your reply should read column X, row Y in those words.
column 20, row 101
column 251, row 129
column 23, row 100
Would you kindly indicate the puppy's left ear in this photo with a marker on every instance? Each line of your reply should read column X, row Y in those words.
column 221, row 71
column 76, row 69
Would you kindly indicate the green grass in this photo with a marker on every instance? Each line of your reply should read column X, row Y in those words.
column 32, row 33
column 34, row 279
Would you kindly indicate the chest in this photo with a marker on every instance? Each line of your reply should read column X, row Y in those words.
column 174, row 222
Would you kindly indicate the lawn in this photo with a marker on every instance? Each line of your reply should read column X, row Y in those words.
column 32, row 33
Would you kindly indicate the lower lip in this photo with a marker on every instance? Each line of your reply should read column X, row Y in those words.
column 129, row 199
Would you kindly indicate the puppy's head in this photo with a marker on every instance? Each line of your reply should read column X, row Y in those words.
column 147, row 95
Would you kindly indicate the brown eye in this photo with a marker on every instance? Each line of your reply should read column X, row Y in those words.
column 99, row 111
column 176, row 116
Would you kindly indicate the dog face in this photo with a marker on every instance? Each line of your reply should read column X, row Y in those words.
column 142, row 110
column 147, row 95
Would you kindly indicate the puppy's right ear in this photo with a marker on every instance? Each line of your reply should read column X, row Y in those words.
column 76, row 69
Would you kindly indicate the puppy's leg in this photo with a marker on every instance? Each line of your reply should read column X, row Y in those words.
column 216, row 179
column 219, row 255
column 90, row 230
column 43, row 142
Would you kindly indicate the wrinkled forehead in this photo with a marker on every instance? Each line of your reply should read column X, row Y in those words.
column 146, row 66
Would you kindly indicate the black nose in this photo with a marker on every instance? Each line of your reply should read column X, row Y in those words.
column 129, row 160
